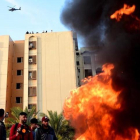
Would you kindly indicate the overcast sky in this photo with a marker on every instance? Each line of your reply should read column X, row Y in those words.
column 35, row 15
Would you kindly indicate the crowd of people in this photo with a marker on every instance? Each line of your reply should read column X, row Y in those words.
column 36, row 32
column 21, row 131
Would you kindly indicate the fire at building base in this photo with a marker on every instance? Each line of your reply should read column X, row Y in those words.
column 107, row 106
column 91, row 109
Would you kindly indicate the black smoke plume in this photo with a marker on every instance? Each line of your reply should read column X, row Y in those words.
column 117, row 43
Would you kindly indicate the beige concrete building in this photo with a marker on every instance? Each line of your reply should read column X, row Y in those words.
column 6, row 54
column 38, row 71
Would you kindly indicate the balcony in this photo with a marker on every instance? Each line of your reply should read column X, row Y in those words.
column 32, row 59
column 32, row 91
column 32, row 45
column 32, row 75
column 31, row 106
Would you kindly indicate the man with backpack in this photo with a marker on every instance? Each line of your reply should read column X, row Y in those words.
column 21, row 131
column 45, row 132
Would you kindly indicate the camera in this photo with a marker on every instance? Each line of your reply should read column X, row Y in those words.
column 6, row 115
column 24, row 129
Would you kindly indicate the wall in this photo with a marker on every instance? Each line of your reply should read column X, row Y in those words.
column 56, row 70
column 4, row 49
column 18, row 52
column 9, row 75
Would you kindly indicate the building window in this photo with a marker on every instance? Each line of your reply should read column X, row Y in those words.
column 32, row 59
column 18, row 99
column 77, row 62
column 87, row 60
column 19, row 85
column 32, row 75
column 31, row 91
column 77, row 53
column 78, row 69
column 30, row 106
column 76, row 43
column 88, row 72
column 19, row 72
column 19, row 59
column 32, row 45
column 99, row 70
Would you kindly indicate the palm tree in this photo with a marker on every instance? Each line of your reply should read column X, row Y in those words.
column 61, row 126
column 15, row 111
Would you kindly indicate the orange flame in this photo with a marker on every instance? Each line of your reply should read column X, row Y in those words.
column 89, row 109
column 127, row 10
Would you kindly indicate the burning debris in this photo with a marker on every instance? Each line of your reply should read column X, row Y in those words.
column 107, row 107
column 134, row 22
column 127, row 10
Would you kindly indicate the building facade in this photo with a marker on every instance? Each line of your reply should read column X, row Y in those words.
column 39, row 71
column 6, row 55
column 87, row 63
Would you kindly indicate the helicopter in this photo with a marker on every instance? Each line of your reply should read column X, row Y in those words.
column 13, row 9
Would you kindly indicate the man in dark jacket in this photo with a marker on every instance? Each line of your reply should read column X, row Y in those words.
column 45, row 132
column 2, row 126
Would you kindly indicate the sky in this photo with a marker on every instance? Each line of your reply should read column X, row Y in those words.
column 35, row 15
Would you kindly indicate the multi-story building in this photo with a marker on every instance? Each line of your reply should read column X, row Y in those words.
column 6, row 55
column 38, row 71
column 88, row 62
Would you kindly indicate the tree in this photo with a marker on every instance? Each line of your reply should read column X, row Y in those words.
column 61, row 126
column 15, row 111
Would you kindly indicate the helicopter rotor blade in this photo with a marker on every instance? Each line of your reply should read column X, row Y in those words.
column 9, row 7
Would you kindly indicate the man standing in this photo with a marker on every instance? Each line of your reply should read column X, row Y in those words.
column 45, row 132
column 34, row 125
column 21, row 131
column 2, row 126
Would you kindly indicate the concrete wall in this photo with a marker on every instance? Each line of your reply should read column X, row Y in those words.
column 18, row 52
column 4, row 49
column 56, row 70
column 9, row 76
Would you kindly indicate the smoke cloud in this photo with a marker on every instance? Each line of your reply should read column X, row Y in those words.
column 117, row 43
